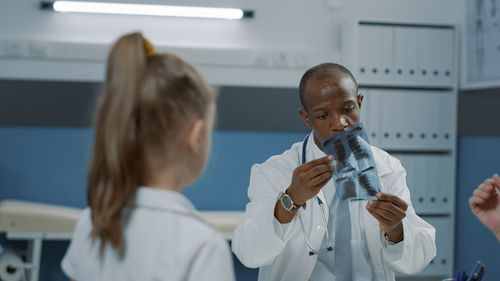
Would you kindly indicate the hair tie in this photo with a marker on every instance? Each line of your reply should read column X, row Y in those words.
column 149, row 48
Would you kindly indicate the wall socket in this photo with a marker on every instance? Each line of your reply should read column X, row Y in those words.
column 15, row 49
column 334, row 4
column 37, row 49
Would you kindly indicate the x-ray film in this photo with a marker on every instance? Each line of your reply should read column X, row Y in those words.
column 355, row 174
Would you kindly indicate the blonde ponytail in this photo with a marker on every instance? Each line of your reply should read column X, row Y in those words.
column 144, row 98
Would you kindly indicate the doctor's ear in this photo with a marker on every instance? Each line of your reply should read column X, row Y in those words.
column 359, row 98
column 305, row 115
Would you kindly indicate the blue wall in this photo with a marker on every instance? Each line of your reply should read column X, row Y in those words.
column 50, row 165
column 478, row 159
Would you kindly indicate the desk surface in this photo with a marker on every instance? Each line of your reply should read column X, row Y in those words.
column 23, row 217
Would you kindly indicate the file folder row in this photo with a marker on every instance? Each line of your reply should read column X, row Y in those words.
column 429, row 178
column 409, row 119
column 406, row 55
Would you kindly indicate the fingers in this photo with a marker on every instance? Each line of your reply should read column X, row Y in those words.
column 476, row 201
column 318, row 170
column 320, row 185
column 321, row 178
column 488, row 185
column 487, row 189
column 387, row 210
column 482, row 193
column 496, row 179
column 392, row 198
column 323, row 160
column 378, row 217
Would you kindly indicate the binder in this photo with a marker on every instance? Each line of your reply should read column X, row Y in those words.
column 447, row 188
column 433, row 183
column 388, row 113
column 444, row 258
column 435, row 73
column 445, row 43
column 373, row 104
column 420, row 119
column 407, row 52
column 424, row 55
column 400, row 67
column 367, row 53
column 384, row 53
column 399, row 104
column 446, row 120
column 433, row 115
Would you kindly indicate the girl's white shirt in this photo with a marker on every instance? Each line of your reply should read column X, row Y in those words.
column 164, row 239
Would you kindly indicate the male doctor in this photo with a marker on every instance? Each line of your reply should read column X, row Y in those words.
column 296, row 228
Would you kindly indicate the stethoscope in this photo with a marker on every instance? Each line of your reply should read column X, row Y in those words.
column 329, row 247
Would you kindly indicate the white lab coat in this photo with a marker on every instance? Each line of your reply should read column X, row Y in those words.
column 164, row 239
column 283, row 256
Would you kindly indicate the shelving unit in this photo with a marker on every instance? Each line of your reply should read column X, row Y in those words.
column 407, row 73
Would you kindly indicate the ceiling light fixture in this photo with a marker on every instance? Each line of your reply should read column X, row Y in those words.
column 146, row 10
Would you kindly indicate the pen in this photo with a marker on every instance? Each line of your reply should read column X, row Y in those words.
column 476, row 267
column 481, row 272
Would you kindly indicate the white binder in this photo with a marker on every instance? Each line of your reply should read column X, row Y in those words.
column 433, row 183
column 434, row 59
column 443, row 263
column 446, row 120
column 423, row 55
column 385, row 53
column 388, row 113
column 445, row 43
column 407, row 52
column 367, row 53
column 447, row 189
column 419, row 115
column 404, row 102
column 411, row 114
column 400, row 67
column 373, row 104
column 433, row 119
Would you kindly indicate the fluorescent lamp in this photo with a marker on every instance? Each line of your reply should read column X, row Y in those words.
column 147, row 10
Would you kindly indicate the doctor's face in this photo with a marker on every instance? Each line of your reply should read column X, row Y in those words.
column 332, row 104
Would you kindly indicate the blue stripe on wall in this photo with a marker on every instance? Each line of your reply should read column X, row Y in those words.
column 478, row 159
column 50, row 165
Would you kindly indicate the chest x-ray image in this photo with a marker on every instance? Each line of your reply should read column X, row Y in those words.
column 355, row 174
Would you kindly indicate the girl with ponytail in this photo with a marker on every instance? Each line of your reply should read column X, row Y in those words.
column 153, row 129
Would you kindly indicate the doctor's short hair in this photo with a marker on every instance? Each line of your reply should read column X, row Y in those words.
column 146, row 100
column 320, row 71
